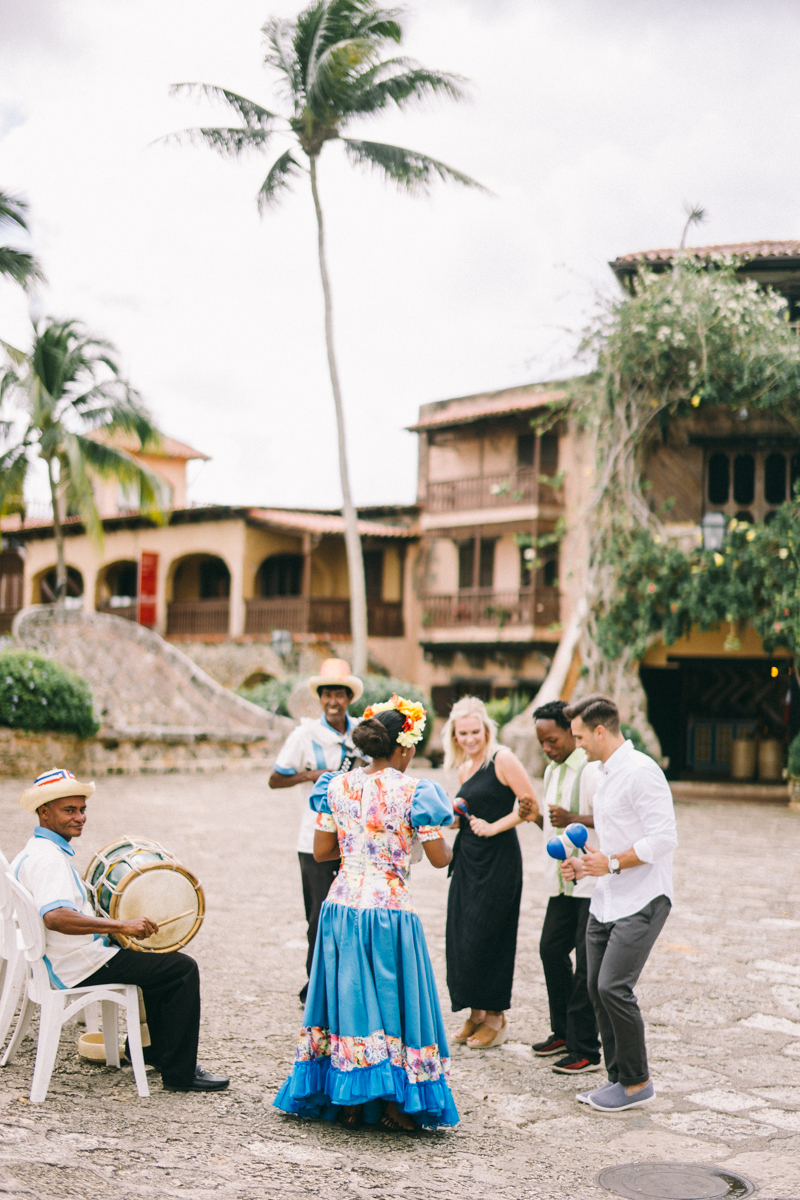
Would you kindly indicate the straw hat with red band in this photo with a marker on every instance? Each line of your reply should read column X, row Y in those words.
column 53, row 785
column 334, row 673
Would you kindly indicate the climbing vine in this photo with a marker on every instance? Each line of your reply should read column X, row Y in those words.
column 692, row 337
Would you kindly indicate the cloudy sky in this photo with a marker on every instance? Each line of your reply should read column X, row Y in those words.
column 591, row 121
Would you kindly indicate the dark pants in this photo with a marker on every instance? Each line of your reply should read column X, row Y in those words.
column 170, row 986
column 317, row 879
column 616, row 952
column 571, row 1012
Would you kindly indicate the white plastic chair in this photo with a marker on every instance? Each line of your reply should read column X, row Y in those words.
column 13, row 970
column 55, row 1008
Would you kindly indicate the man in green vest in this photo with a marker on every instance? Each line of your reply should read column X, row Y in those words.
column 570, row 782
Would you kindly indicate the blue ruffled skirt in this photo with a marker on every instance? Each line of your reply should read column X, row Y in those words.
column 372, row 1025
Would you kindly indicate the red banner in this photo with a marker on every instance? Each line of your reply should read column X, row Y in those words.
column 148, row 580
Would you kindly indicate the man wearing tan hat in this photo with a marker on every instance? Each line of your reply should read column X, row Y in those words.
column 316, row 746
column 77, row 952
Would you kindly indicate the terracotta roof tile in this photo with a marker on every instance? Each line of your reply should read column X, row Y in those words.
column 310, row 522
column 465, row 409
column 749, row 250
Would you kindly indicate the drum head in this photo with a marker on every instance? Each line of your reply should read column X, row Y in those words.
column 161, row 893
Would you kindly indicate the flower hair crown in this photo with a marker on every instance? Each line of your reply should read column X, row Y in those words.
column 414, row 714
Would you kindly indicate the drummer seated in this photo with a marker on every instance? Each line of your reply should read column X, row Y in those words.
column 77, row 952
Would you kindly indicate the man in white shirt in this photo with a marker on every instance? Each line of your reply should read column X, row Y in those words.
column 77, row 952
column 635, row 824
column 317, row 746
column 570, row 782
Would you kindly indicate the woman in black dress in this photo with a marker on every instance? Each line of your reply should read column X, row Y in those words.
column 486, row 887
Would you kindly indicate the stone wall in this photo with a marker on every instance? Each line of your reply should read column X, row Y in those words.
column 25, row 755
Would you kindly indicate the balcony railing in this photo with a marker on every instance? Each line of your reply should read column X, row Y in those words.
column 484, row 607
column 199, row 617
column 319, row 614
column 130, row 612
column 489, row 491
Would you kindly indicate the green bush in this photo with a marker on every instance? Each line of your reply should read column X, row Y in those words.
column 505, row 708
column 37, row 693
column 274, row 693
column 793, row 765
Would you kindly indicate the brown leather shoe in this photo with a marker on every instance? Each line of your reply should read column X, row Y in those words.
column 485, row 1036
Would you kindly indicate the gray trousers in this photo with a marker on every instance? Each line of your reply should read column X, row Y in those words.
column 616, row 952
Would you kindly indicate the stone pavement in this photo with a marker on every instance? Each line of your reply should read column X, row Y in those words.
column 721, row 995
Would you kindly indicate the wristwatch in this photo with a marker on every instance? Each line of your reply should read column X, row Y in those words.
column 613, row 865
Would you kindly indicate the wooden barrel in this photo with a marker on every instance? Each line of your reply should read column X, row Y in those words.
column 770, row 760
column 743, row 758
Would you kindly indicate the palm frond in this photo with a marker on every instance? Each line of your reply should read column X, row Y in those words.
column 253, row 115
column 77, row 486
column 19, row 266
column 18, row 357
column 409, row 169
column 331, row 78
column 399, row 81
column 229, row 142
column 111, row 462
column 13, row 473
column 278, row 180
column 13, row 211
column 282, row 58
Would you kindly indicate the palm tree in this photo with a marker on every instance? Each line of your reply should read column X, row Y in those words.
column 73, row 402
column 332, row 71
column 22, row 268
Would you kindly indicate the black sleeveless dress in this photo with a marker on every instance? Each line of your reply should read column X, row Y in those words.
column 484, row 900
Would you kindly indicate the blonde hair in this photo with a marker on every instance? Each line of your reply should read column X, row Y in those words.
column 467, row 706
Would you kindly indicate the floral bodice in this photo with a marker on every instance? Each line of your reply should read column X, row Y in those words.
column 376, row 818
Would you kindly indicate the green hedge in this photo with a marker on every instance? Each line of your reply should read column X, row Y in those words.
column 37, row 693
column 274, row 693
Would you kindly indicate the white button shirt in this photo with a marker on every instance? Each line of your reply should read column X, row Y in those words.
column 633, row 808
column 45, row 868
column 314, row 746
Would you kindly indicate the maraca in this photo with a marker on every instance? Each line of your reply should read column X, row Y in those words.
column 557, row 849
column 460, row 807
column 577, row 834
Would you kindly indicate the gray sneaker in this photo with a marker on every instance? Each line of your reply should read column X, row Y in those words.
column 616, row 1099
column 583, row 1097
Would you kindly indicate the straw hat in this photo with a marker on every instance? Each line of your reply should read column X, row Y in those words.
column 52, row 785
column 333, row 673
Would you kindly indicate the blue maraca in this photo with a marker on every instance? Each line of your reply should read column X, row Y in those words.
column 577, row 834
column 556, row 848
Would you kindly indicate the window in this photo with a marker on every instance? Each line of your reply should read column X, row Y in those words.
column 744, row 478
column 466, row 563
column 548, row 456
column 525, row 445
column 373, row 574
column 215, row 579
column 775, row 479
column 281, row 575
column 719, row 481
column 549, row 573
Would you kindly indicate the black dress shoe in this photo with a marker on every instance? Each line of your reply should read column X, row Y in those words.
column 203, row 1081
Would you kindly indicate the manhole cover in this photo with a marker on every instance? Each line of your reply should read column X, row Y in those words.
column 674, row 1181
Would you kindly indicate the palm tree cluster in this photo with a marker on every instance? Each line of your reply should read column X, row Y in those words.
column 332, row 69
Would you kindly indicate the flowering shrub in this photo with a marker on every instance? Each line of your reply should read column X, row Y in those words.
column 37, row 693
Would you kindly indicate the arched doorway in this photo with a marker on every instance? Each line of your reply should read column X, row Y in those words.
column 280, row 575
column 200, row 604
column 118, row 588
column 12, row 569
column 44, row 588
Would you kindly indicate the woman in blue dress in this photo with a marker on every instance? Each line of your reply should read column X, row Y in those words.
column 373, row 1045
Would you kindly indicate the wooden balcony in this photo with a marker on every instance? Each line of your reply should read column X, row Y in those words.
column 320, row 614
column 490, row 491
column 200, row 618
column 485, row 607
column 129, row 612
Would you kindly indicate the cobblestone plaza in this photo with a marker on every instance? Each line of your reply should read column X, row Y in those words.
column 721, row 996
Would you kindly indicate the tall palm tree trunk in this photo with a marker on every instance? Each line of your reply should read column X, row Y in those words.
column 58, row 533
column 355, row 559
